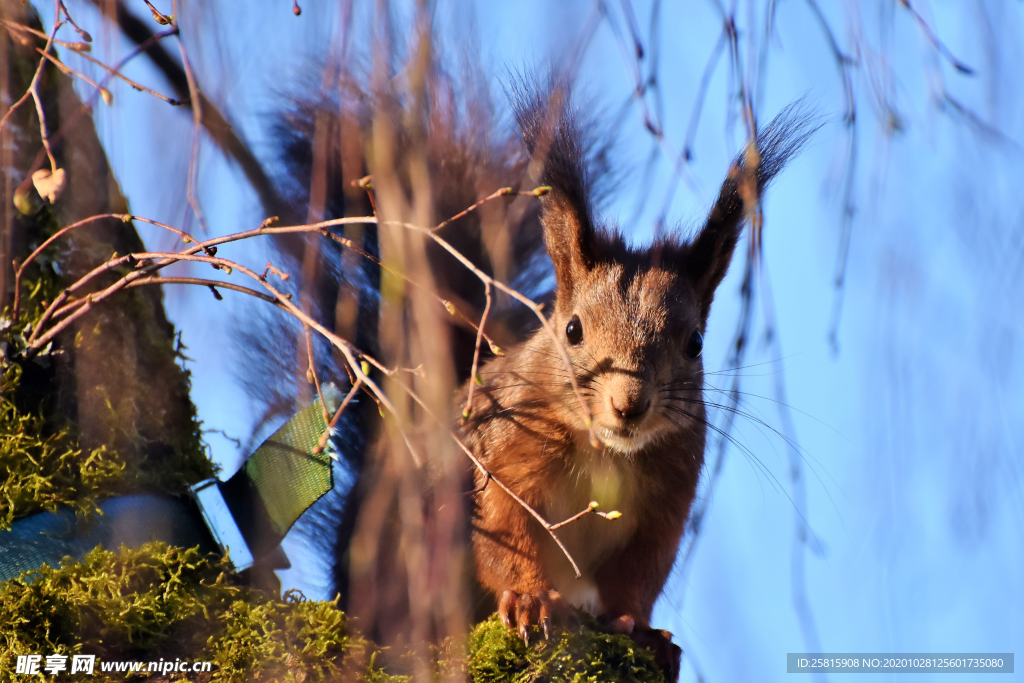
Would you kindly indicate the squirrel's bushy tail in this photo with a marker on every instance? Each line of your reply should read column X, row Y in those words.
column 412, row 154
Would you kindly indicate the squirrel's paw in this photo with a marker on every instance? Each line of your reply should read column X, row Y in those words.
column 536, row 609
column 667, row 654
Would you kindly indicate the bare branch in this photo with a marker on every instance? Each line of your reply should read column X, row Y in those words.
column 197, row 116
column 158, row 280
column 474, row 376
column 311, row 373
column 135, row 84
column 936, row 43
column 104, row 93
column 22, row 28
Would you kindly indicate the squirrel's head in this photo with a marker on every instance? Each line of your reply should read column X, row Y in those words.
column 633, row 320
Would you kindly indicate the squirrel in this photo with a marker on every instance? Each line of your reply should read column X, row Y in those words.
column 631, row 320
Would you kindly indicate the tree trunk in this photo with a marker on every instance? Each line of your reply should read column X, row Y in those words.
column 114, row 379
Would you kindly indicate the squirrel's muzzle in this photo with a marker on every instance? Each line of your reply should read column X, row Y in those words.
column 629, row 407
column 627, row 398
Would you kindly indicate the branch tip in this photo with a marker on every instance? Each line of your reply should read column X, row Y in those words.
column 158, row 16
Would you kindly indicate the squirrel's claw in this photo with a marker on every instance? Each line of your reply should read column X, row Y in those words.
column 527, row 609
column 506, row 608
column 545, row 613
column 543, row 608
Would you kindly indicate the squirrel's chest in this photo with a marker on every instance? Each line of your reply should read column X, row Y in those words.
column 613, row 484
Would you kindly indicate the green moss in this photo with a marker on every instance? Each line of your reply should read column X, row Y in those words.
column 164, row 602
column 42, row 469
column 280, row 638
column 109, row 604
column 496, row 654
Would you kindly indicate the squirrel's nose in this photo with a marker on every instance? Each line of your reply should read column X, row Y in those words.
column 628, row 407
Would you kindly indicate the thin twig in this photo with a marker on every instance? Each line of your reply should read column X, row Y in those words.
column 163, row 280
column 33, row 88
column 104, row 93
column 494, row 195
column 313, row 375
column 207, row 246
column 77, row 47
column 936, row 43
column 85, row 34
column 139, row 49
column 138, row 86
column 322, row 444
column 701, row 98
column 474, row 377
column 125, row 217
column 592, row 508
column 19, row 270
column 162, row 259
column 197, row 119
column 37, row 98
column 843, row 63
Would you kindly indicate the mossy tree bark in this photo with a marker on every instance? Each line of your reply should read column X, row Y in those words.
column 115, row 380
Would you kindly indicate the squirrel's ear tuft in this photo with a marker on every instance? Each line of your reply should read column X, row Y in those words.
column 707, row 257
column 558, row 160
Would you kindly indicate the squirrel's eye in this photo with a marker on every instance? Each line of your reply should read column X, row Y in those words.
column 574, row 331
column 695, row 345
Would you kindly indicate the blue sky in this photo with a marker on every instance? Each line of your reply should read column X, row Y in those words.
column 911, row 433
